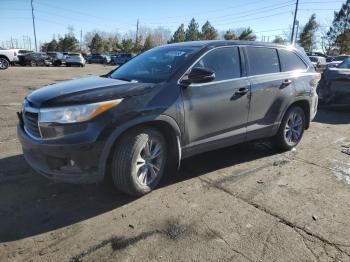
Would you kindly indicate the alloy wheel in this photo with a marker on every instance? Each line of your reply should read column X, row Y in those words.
column 149, row 161
column 294, row 128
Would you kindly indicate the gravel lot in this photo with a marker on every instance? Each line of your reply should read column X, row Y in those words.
column 243, row 203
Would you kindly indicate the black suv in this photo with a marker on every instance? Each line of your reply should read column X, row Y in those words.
column 165, row 105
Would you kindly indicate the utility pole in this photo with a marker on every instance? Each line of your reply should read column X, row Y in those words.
column 36, row 47
column 292, row 39
column 137, row 31
column 81, row 38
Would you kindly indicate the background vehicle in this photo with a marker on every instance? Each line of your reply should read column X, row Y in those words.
column 99, row 59
column 318, row 62
column 57, row 58
column 10, row 56
column 75, row 59
column 337, row 60
column 120, row 59
column 164, row 105
column 334, row 87
column 35, row 59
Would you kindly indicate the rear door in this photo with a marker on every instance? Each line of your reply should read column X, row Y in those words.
column 216, row 112
column 268, row 87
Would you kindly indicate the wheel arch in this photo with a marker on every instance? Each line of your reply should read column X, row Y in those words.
column 3, row 56
column 167, row 126
column 304, row 104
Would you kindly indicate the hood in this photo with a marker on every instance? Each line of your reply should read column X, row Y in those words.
column 86, row 90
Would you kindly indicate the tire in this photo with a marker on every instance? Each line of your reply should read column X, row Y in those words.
column 4, row 63
column 134, row 171
column 287, row 138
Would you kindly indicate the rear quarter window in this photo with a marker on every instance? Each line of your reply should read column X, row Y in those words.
column 262, row 60
column 290, row 61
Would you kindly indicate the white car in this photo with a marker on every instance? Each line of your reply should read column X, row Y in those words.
column 75, row 59
column 9, row 56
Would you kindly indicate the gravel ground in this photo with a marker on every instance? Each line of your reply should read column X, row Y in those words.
column 243, row 203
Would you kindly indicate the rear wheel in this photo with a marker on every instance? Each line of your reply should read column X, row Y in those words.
column 4, row 63
column 291, row 129
column 139, row 161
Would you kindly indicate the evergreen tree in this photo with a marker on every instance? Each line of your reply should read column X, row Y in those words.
column 279, row 40
column 229, row 35
column 50, row 46
column 208, row 32
column 307, row 36
column 247, row 34
column 127, row 46
column 192, row 32
column 179, row 35
column 96, row 45
column 68, row 44
column 149, row 43
column 240, row 34
column 339, row 33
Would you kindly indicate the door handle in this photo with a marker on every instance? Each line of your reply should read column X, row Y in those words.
column 241, row 91
column 286, row 83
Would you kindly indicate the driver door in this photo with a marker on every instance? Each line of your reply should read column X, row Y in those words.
column 216, row 112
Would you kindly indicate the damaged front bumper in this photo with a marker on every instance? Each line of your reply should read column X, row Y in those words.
column 71, row 163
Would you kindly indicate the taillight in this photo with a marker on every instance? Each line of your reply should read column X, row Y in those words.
column 315, row 79
column 14, row 53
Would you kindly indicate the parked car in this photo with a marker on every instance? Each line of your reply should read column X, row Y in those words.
column 337, row 60
column 35, row 59
column 167, row 104
column 10, row 56
column 318, row 62
column 99, row 59
column 75, row 59
column 120, row 59
column 334, row 87
column 57, row 58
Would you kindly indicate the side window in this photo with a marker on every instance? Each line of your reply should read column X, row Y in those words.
column 290, row 61
column 224, row 62
column 262, row 60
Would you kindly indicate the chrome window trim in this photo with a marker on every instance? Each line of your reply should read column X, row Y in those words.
column 245, row 77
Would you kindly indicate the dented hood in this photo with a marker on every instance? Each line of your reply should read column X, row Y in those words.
column 86, row 90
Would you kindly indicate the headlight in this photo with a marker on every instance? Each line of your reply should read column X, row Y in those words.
column 75, row 114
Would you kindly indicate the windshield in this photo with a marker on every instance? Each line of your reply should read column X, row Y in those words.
column 345, row 64
column 156, row 65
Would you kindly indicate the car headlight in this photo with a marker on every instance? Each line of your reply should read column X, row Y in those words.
column 75, row 113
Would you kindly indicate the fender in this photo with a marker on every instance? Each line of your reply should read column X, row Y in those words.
column 283, row 112
column 137, row 121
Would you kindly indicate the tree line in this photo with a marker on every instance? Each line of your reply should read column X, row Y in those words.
column 336, row 37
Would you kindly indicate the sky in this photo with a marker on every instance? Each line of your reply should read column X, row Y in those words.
column 267, row 18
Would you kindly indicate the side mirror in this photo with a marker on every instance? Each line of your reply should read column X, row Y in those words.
column 198, row 75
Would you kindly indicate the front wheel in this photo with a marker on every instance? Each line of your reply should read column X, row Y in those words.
column 139, row 161
column 4, row 63
column 291, row 129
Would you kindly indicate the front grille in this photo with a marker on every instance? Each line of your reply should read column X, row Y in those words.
column 30, row 120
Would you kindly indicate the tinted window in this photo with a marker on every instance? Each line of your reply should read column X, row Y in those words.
column 262, row 60
column 224, row 62
column 156, row 65
column 291, row 61
column 345, row 64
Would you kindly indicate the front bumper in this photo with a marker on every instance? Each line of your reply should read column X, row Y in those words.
column 71, row 163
